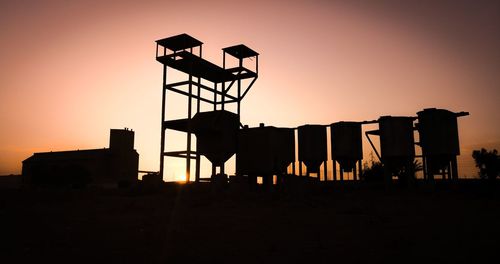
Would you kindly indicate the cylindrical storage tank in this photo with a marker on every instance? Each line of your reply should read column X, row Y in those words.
column 346, row 143
column 396, row 137
column 312, row 146
column 264, row 150
column 216, row 134
column 438, row 132
column 285, row 148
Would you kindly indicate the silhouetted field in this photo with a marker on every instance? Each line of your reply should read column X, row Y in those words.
column 194, row 224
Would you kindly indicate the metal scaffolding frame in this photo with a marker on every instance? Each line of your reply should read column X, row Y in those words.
column 177, row 52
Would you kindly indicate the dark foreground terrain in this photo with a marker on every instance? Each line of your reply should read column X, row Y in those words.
column 194, row 224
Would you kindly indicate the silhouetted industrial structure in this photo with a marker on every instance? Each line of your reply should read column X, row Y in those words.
column 438, row 130
column 265, row 151
column 116, row 165
column 312, row 149
column 268, row 151
column 205, row 83
column 347, row 148
column 397, row 146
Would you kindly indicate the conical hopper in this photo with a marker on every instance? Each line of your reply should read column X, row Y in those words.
column 216, row 134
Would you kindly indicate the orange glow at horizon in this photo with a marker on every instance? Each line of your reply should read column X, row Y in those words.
column 71, row 71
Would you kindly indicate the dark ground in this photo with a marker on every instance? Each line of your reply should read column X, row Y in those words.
column 193, row 224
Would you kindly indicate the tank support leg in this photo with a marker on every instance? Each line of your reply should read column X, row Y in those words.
column 360, row 170
column 325, row 168
column 354, row 177
column 454, row 168
column 334, row 170
column 197, row 173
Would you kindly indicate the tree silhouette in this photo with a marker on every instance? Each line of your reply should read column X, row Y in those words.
column 373, row 172
column 487, row 162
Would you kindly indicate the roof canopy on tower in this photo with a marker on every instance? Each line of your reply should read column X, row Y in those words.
column 179, row 42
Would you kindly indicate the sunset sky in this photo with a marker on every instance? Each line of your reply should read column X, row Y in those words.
column 71, row 70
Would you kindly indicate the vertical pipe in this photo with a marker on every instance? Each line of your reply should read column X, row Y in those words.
column 215, row 96
column 325, row 169
column 223, row 81
column 239, row 89
column 190, row 109
column 163, row 102
column 188, row 159
column 223, row 95
column 334, row 176
column 198, row 101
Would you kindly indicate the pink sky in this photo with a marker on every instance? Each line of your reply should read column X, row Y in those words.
column 71, row 71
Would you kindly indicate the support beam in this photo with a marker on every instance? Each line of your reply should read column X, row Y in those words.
column 190, row 109
column 187, row 94
column 162, row 137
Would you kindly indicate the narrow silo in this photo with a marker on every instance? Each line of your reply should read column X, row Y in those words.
column 438, row 132
column 285, row 148
column 312, row 148
column 346, row 147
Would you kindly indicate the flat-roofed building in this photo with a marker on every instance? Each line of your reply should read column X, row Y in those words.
column 117, row 164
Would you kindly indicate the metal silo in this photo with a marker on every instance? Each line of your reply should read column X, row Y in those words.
column 396, row 137
column 397, row 146
column 265, row 151
column 346, row 147
column 216, row 134
column 438, row 131
column 312, row 148
column 285, row 148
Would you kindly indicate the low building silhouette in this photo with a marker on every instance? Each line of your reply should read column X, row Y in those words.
column 117, row 164
column 10, row 181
